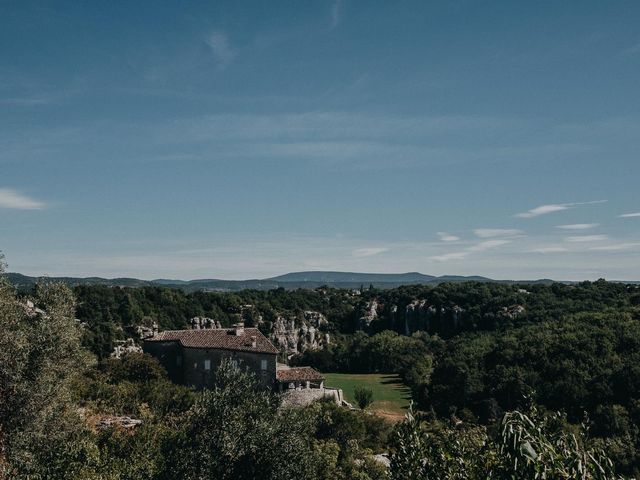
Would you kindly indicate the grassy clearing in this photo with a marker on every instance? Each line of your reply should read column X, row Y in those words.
column 390, row 396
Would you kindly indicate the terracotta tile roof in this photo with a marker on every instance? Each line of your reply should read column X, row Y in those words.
column 298, row 374
column 222, row 338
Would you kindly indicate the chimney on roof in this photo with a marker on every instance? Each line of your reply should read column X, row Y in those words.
column 239, row 329
column 254, row 341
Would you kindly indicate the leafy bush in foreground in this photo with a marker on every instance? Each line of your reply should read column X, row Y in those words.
column 527, row 445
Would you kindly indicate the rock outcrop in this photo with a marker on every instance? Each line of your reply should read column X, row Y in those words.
column 204, row 323
column 144, row 331
column 512, row 311
column 124, row 347
column 369, row 314
column 296, row 335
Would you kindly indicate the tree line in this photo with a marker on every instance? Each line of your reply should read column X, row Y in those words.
column 573, row 349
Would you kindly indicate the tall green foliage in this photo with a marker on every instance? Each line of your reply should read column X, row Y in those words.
column 234, row 431
column 538, row 446
column 40, row 354
column 527, row 446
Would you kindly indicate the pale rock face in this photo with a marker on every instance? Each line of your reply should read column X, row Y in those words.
column 393, row 313
column 292, row 335
column 416, row 315
column 32, row 311
column 124, row 347
column 204, row 323
column 512, row 311
column 144, row 331
column 370, row 313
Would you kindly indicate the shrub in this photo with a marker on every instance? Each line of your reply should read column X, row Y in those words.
column 364, row 396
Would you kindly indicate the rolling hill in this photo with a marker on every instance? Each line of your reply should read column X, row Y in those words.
column 289, row 281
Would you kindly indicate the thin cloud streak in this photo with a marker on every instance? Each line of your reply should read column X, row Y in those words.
column 331, row 139
column 221, row 48
column 369, row 252
column 447, row 237
column 12, row 199
column 549, row 250
column 630, row 215
column 578, row 226
column 480, row 247
column 496, row 232
column 336, row 13
column 617, row 247
column 449, row 256
column 552, row 208
column 487, row 245
column 586, row 238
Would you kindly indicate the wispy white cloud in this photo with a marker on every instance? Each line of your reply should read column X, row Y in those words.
column 616, row 247
column 13, row 199
column 488, row 245
column 369, row 251
column 630, row 215
column 578, row 226
column 330, row 139
column 496, row 232
column 445, row 257
column 336, row 13
column 586, row 238
column 447, row 237
column 549, row 249
column 28, row 101
column 543, row 210
column 552, row 208
column 266, row 255
column 221, row 48
column 479, row 247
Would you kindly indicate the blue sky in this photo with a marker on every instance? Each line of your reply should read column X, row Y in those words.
column 211, row 139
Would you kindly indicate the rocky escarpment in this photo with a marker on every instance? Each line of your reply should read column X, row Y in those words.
column 133, row 342
column 421, row 314
column 297, row 334
column 204, row 323
column 369, row 314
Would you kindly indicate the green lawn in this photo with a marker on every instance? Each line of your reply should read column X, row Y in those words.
column 390, row 396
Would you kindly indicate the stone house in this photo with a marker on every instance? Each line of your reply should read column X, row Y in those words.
column 192, row 356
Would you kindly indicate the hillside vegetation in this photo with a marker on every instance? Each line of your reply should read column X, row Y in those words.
column 476, row 357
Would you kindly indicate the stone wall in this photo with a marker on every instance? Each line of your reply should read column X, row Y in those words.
column 194, row 362
column 303, row 397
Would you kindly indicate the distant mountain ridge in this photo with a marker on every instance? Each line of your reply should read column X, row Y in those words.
column 349, row 277
column 289, row 281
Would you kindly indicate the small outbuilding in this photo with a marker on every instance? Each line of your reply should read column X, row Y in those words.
column 297, row 378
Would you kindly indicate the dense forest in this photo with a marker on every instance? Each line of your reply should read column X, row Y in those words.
column 560, row 361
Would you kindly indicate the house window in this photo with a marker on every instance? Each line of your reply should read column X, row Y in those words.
column 207, row 364
column 179, row 360
column 263, row 364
